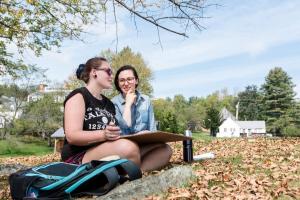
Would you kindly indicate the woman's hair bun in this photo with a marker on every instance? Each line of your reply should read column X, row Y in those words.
column 79, row 71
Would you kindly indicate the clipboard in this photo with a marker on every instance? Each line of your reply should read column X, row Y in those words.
column 156, row 137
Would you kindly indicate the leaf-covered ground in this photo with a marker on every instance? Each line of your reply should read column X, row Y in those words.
column 254, row 168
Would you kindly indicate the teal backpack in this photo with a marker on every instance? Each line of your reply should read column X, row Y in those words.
column 60, row 180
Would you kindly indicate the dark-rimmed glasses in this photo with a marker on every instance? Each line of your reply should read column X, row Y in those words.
column 109, row 71
column 129, row 80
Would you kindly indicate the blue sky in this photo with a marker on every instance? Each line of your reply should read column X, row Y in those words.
column 242, row 41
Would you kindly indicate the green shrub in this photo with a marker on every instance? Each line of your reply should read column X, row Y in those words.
column 291, row 131
column 10, row 146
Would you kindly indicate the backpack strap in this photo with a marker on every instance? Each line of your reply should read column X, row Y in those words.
column 100, row 188
column 80, row 170
column 112, row 175
column 100, row 184
column 128, row 171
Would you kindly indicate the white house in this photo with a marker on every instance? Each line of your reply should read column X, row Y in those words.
column 232, row 128
column 250, row 128
column 59, row 94
column 229, row 128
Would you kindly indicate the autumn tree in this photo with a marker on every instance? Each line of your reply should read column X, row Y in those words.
column 73, row 82
column 127, row 57
column 41, row 25
column 278, row 99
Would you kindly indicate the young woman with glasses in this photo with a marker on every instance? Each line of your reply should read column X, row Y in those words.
column 89, row 119
column 134, row 113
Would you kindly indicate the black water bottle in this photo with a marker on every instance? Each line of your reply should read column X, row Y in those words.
column 188, row 147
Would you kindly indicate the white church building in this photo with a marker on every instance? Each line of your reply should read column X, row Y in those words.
column 231, row 127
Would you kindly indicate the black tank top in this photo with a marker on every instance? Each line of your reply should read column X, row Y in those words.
column 98, row 113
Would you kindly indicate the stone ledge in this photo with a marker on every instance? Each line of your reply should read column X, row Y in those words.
column 150, row 185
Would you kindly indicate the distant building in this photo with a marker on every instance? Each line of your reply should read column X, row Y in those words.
column 232, row 128
column 58, row 94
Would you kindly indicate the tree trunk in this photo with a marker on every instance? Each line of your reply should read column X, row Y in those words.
column 49, row 140
column 2, row 134
column 4, row 131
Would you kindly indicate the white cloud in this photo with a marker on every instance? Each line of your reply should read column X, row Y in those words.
column 105, row 31
column 207, row 78
column 203, row 80
column 252, row 32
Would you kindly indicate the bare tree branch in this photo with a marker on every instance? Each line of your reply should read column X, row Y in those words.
column 116, row 21
column 197, row 25
column 148, row 19
column 159, row 41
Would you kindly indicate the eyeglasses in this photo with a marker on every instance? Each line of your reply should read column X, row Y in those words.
column 129, row 80
column 109, row 71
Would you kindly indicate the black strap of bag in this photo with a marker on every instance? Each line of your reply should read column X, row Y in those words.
column 102, row 184
column 128, row 171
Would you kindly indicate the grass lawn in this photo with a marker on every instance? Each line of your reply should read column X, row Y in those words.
column 202, row 136
column 22, row 146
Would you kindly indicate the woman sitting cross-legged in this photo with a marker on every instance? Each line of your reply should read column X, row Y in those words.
column 134, row 113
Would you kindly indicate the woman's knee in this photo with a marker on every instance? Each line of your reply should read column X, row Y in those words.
column 127, row 148
column 168, row 150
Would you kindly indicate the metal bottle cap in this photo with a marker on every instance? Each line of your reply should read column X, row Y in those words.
column 188, row 133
